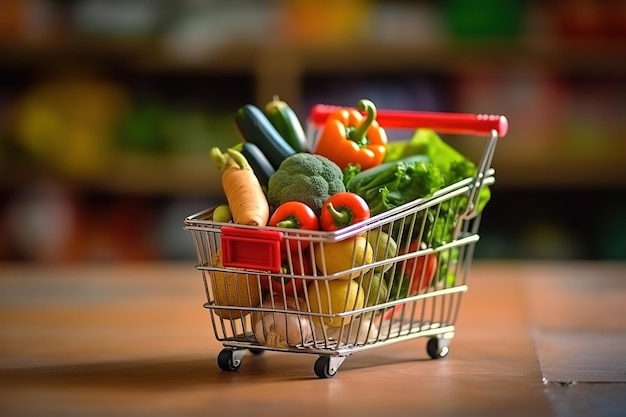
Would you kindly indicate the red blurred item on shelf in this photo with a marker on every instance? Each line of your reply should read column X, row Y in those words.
column 590, row 21
column 12, row 13
column 30, row 20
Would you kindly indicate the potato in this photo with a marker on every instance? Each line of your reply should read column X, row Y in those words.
column 233, row 289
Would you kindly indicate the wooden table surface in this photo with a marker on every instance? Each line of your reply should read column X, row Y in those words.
column 533, row 339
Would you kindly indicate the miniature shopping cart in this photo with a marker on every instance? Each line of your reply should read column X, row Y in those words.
column 263, row 298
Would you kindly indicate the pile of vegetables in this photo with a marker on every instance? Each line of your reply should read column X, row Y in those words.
column 271, row 178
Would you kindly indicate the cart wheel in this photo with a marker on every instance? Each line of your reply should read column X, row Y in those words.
column 323, row 369
column 436, row 348
column 227, row 362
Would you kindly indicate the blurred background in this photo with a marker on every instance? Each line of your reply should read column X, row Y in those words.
column 108, row 110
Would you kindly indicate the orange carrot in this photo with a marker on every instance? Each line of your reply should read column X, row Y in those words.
column 245, row 196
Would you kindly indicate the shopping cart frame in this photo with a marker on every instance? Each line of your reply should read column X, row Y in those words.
column 400, row 323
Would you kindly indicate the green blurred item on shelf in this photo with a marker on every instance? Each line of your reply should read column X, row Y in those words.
column 141, row 130
column 195, row 130
column 484, row 19
column 155, row 127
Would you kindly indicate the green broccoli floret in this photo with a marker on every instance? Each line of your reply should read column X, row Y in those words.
column 305, row 177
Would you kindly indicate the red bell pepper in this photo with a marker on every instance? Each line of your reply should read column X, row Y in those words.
column 290, row 286
column 420, row 269
column 343, row 209
column 294, row 215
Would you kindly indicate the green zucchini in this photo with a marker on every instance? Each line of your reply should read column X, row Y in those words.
column 261, row 166
column 285, row 120
column 255, row 128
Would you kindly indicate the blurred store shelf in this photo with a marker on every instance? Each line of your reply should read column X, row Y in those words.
column 183, row 68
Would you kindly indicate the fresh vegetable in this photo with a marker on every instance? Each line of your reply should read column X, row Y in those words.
column 440, row 225
column 259, row 163
column 434, row 226
column 395, row 183
column 453, row 165
column 463, row 169
column 233, row 289
column 348, row 137
column 282, row 329
column 341, row 256
column 398, row 149
column 294, row 215
column 358, row 332
column 447, row 266
column 244, row 193
column 332, row 297
column 289, row 285
column 425, row 142
column 374, row 287
column 308, row 178
column 353, row 173
column 278, row 285
column 286, row 122
column 420, row 144
column 384, row 246
column 343, row 209
column 255, row 128
column 415, row 275
column 421, row 269
column 222, row 213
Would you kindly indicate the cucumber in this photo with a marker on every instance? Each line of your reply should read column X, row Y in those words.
column 261, row 166
column 256, row 128
column 285, row 120
column 371, row 174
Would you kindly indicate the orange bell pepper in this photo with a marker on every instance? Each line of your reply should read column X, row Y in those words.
column 349, row 137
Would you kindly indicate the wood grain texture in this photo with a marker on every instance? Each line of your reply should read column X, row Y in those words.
column 134, row 339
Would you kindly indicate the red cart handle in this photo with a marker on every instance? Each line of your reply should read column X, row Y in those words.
column 457, row 123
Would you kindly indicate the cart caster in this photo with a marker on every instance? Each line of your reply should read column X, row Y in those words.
column 327, row 366
column 437, row 348
column 229, row 360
